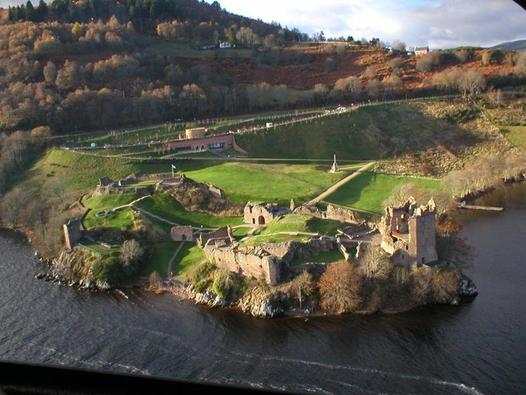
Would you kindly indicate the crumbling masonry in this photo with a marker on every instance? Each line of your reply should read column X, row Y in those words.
column 409, row 233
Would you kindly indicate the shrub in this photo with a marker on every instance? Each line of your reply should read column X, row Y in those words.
column 396, row 63
column 429, row 61
column 491, row 57
column 464, row 55
column 201, row 276
column 154, row 282
column 227, row 285
column 340, row 288
column 444, row 285
column 370, row 72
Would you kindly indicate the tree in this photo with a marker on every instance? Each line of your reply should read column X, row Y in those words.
column 69, row 76
column 302, row 287
column 31, row 14
column 492, row 57
column 370, row 72
column 340, row 288
column 464, row 55
column 520, row 67
column 131, row 253
column 399, row 46
column 42, row 11
column 376, row 264
column 50, row 73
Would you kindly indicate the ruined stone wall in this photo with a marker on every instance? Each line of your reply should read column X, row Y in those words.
column 255, row 214
column 340, row 214
column 268, row 262
column 257, row 264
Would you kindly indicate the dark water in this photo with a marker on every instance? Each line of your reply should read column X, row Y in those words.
column 477, row 348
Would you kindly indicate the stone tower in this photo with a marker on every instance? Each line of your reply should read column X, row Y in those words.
column 409, row 233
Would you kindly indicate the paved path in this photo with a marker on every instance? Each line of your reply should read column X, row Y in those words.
column 340, row 183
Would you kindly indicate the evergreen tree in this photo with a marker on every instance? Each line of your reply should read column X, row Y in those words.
column 30, row 11
column 42, row 10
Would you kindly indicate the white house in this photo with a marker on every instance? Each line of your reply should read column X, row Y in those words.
column 419, row 51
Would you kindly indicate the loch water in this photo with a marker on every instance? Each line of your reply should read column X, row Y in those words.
column 475, row 348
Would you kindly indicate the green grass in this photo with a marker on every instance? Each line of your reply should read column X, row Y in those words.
column 266, row 182
column 367, row 133
column 516, row 135
column 78, row 172
column 189, row 256
column 160, row 258
column 368, row 191
column 163, row 205
column 122, row 219
column 305, row 225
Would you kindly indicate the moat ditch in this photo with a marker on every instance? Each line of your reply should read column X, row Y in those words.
column 475, row 348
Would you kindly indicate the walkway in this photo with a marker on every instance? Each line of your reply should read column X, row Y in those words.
column 340, row 183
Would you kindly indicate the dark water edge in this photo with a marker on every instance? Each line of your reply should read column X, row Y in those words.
column 475, row 348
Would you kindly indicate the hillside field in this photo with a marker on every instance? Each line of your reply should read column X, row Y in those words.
column 368, row 191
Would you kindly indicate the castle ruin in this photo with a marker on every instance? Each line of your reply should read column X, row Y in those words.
column 261, row 214
column 73, row 231
column 409, row 233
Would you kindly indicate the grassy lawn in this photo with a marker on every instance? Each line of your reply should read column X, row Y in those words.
column 293, row 223
column 161, row 255
column 516, row 135
column 189, row 256
column 266, row 182
column 122, row 219
column 368, row 191
column 163, row 205
column 78, row 172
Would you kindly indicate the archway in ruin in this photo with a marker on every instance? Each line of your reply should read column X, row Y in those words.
column 261, row 220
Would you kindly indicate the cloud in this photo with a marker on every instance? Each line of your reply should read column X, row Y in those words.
column 438, row 23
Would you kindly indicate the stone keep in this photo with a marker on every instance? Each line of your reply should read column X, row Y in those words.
column 409, row 233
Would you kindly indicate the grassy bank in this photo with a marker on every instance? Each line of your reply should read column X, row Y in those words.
column 266, row 182
column 367, row 133
column 368, row 191
column 163, row 205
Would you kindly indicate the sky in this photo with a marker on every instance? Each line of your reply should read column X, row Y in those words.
column 437, row 23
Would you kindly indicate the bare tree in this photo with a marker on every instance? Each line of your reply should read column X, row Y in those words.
column 340, row 287
column 131, row 252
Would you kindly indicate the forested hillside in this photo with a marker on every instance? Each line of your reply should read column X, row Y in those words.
column 97, row 64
